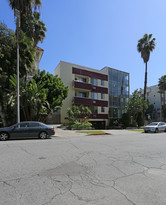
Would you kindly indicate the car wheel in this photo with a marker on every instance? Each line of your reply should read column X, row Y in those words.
column 146, row 131
column 156, row 130
column 4, row 136
column 43, row 135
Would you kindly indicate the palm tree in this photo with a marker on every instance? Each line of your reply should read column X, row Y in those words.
column 21, row 7
column 162, row 89
column 145, row 46
column 25, row 6
column 33, row 27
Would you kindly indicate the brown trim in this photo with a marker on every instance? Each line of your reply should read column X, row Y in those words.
column 99, row 116
column 89, row 74
column 90, row 102
column 88, row 86
column 98, row 89
column 82, row 85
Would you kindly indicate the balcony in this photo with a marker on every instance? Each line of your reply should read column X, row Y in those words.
column 99, row 116
column 82, row 85
column 91, row 74
column 90, row 102
column 90, row 87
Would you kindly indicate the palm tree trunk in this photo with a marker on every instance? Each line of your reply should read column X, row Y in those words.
column 145, row 84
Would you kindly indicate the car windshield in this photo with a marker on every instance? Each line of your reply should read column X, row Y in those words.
column 154, row 123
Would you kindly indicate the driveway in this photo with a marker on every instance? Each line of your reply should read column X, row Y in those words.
column 125, row 168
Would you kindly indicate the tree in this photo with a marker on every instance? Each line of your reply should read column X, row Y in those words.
column 25, row 6
column 149, row 111
column 21, row 7
column 78, row 117
column 41, row 96
column 136, row 106
column 30, row 21
column 162, row 89
column 145, row 46
column 33, row 27
column 8, row 65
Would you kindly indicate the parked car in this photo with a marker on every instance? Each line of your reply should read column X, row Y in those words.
column 155, row 127
column 28, row 129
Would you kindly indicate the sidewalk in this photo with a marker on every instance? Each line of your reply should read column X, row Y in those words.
column 61, row 131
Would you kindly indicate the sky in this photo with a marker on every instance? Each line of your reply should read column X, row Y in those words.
column 99, row 33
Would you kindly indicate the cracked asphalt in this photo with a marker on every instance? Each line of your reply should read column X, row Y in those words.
column 125, row 168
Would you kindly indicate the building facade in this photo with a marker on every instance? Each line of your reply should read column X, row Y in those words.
column 118, row 90
column 97, row 89
column 154, row 97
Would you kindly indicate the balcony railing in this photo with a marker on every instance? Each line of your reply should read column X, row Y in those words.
column 82, row 85
column 88, row 86
column 99, row 116
column 90, row 102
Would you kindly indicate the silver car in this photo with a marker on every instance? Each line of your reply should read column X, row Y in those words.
column 155, row 127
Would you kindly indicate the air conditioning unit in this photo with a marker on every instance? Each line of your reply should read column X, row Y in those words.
column 94, row 101
column 94, row 87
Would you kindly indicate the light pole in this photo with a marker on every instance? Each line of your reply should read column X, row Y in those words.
column 17, row 14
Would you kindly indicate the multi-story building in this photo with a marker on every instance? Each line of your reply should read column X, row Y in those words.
column 105, row 91
column 119, row 91
column 154, row 97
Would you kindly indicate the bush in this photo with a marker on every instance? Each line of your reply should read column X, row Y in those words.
column 140, row 120
column 125, row 120
column 79, row 125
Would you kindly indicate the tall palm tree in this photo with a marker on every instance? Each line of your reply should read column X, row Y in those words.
column 162, row 89
column 145, row 46
column 33, row 27
column 25, row 6
column 21, row 7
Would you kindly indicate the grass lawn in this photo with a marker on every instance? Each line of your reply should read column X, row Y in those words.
column 137, row 130
column 92, row 132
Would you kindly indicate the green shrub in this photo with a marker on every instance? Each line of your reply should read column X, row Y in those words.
column 140, row 120
column 79, row 125
column 125, row 120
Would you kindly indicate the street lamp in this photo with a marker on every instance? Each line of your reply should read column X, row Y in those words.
column 17, row 14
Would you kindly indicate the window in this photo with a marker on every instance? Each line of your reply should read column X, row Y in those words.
column 94, row 95
column 102, row 82
column 21, row 125
column 82, row 94
column 94, row 81
column 114, row 75
column 102, row 109
column 102, row 96
column 33, row 124
column 82, row 80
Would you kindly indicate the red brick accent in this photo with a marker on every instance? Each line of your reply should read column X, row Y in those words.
column 82, row 85
column 98, row 89
column 90, row 87
column 89, row 74
column 99, row 116
column 90, row 102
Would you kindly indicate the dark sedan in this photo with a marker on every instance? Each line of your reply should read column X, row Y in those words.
column 27, row 129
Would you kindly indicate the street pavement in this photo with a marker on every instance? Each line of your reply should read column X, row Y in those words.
column 124, row 168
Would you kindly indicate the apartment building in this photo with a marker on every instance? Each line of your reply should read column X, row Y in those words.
column 118, row 91
column 105, row 91
column 153, row 96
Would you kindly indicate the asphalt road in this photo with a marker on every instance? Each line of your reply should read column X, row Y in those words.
column 120, row 169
